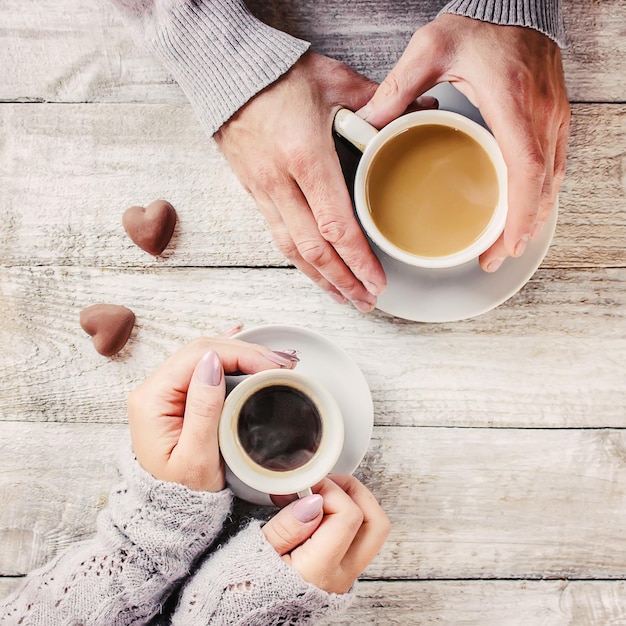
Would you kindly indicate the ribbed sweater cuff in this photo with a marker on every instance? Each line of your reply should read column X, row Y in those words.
column 542, row 15
column 220, row 55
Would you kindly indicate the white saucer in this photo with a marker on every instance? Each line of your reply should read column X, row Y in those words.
column 334, row 369
column 449, row 295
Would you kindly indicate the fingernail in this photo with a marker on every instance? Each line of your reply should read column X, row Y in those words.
column 364, row 112
column 537, row 230
column 364, row 307
column 494, row 264
column 284, row 359
column 308, row 508
column 428, row 102
column 336, row 297
column 210, row 369
column 291, row 352
column 233, row 331
column 520, row 246
column 374, row 289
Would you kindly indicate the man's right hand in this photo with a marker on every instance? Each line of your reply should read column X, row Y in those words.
column 280, row 145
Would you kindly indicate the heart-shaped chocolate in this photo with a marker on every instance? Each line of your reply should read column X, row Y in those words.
column 150, row 228
column 109, row 325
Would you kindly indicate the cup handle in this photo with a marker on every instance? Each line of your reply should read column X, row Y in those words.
column 305, row 493
column 356, row 130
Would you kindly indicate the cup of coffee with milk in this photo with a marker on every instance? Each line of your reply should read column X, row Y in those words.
column 280, row 432
column 430, row 189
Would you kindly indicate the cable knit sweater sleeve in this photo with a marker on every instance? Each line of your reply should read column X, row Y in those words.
column 542, row 15
column 217, row 51
column 246, row 583
column 147, row 540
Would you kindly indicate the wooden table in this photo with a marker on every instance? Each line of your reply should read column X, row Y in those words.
column 499, row 449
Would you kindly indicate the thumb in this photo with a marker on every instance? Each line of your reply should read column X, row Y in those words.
column 205, row 399
column 294, row 524
column 418, row 69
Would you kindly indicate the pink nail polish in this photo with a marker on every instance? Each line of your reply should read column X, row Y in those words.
column 284, row 359
column 308, row 508
column 210, row 369
column 233, row 331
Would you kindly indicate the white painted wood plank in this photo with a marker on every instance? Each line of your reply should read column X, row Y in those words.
column 68, row 172
column 476, row 603
column 464, row 503
column 74, row 51
column 553, row 356
column 53, row 483
column 488, row 603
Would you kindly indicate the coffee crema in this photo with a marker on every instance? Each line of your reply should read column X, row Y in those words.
column 280, row 428
column 432, row 190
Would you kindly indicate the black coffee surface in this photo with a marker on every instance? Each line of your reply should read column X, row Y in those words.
column 280, row 428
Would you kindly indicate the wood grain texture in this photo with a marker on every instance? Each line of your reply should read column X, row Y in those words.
column 499, row 449
column 80, row 51
column 552, row 356
column 464, row 503
column 476, row 603
column 68, row 172
column 489, row 603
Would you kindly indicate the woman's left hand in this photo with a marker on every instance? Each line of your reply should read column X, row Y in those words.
column 174, row 414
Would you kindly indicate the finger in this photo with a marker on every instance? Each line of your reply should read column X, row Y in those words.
column 545, row 205
column 285, row 244
column 491, row 260
column 325, row 191
column 560, row 160
column 334, row 536
column 205, row 399
column 523, row 149
column 294, row 524
column 232, row 331
column 174, row 375
column 418, row 69
column 317, row 252
column 373, row 531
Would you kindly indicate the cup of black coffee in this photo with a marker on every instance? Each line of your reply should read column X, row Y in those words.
column 280, row 432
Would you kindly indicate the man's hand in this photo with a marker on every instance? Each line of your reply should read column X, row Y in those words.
column 281, row 147
column 514, row 75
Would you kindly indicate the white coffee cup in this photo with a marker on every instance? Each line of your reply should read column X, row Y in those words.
column 369, row 140
column 247, row 439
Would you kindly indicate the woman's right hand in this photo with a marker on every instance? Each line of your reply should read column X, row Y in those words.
column 329, row 538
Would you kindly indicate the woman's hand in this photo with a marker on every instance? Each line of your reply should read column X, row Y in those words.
column 331, row 537
column 174, row 414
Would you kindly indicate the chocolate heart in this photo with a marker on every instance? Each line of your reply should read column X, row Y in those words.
column 109, row 325
column 150, row 228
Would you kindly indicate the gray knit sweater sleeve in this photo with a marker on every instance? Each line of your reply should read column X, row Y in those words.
column 216, row 50
column 222, row 56
column 246, row 583
column 542, row 15
column 148, row 539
